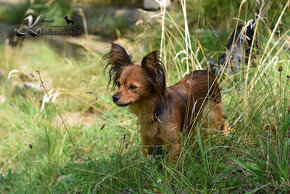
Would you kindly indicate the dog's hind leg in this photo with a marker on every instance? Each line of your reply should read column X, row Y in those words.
column 212, row 117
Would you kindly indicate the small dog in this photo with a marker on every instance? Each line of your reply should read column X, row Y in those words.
column 163, row 112
column 69, row 21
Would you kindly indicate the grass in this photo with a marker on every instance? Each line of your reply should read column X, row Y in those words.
column 97, row 148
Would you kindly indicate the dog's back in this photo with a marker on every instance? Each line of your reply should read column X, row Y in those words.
column 194, row 92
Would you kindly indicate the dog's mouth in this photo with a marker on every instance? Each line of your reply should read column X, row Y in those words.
column 121, row 104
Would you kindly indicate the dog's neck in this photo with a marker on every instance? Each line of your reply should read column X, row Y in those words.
column 145, row 109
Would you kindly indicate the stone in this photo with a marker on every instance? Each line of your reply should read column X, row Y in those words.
column 80, row 21
column 155, row 4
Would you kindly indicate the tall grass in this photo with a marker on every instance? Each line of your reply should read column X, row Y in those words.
column 99, row 149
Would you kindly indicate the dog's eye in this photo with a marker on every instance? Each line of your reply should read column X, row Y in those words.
column 132, row 87
column 118, row 84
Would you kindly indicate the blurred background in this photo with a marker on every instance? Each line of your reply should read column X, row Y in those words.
column 82, row 142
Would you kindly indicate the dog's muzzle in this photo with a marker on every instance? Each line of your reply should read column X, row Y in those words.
column 116, row 97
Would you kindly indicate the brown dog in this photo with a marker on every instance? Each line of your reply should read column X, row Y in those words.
column 163, row 112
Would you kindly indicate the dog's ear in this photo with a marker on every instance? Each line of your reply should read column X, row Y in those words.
column 117, row 58
column 155, row 70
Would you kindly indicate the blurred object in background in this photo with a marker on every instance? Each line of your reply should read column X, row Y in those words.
column 155, row 4
column 239, row 48
column 80, row 22
column 108, row 21
column 112, row 3
column 237, row 52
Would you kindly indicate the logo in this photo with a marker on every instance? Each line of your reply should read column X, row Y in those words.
column 50, row 30
column 69, row 21
column 28, row 28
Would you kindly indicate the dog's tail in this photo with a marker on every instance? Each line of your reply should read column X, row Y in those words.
column 239, row 46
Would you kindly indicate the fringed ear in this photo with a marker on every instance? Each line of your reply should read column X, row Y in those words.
column 155, row 70
column 117, row 58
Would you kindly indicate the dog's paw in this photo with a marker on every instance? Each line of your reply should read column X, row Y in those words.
column 227, row 131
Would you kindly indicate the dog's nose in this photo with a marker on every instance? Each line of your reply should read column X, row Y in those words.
column 116, row 97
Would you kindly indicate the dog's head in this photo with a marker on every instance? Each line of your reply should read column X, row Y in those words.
column 134, row 82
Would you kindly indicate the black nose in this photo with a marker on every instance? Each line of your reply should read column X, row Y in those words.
column 116, row 97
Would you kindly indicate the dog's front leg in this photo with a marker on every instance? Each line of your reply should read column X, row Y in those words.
column 174, row 152
column 146, row 146
column 173, row 145
column 149, row 148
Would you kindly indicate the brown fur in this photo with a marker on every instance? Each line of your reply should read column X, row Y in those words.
column 163, row 112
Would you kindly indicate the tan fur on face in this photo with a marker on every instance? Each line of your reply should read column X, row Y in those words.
column 133, row 75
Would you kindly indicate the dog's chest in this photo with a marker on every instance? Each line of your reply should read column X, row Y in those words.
column 151, row 131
